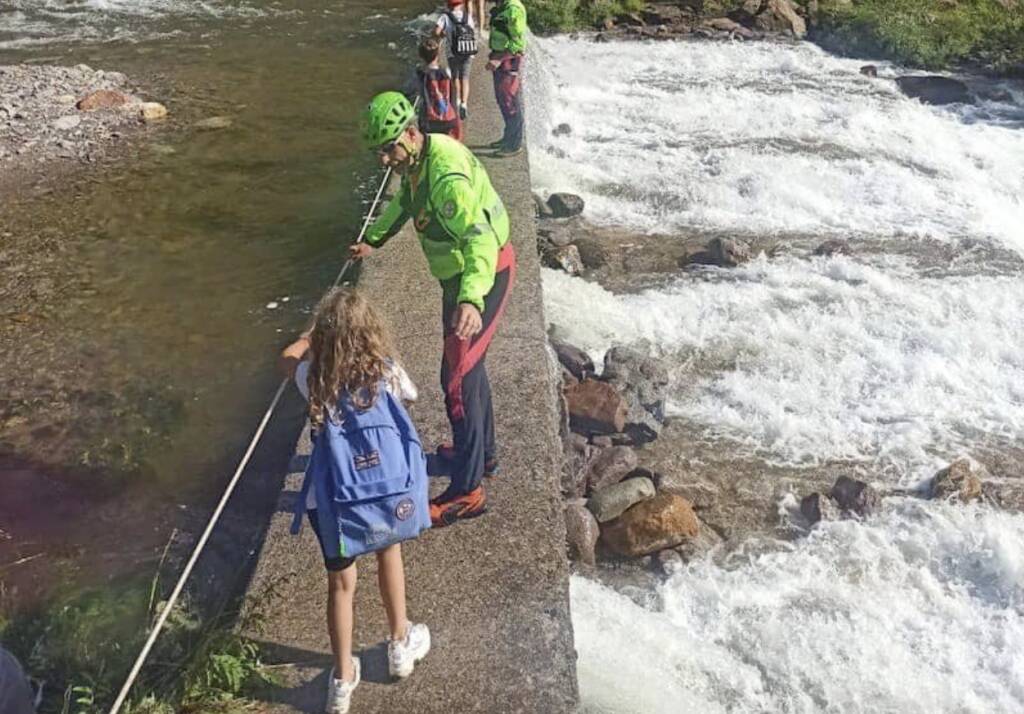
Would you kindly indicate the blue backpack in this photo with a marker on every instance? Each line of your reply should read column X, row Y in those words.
column 369, row 477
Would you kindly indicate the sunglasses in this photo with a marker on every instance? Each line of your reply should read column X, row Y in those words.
column 386, row 149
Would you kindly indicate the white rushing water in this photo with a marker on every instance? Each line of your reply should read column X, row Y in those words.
column 28, row 23
column 899, row 357
column 919, row 611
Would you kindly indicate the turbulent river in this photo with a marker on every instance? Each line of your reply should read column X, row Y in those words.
column 896, row 359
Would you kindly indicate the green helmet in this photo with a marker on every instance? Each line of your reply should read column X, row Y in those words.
column 386, row 117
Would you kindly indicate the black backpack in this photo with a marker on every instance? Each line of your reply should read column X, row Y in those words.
column 463, row 37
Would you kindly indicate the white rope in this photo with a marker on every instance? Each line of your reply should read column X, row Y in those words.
column 141, row 659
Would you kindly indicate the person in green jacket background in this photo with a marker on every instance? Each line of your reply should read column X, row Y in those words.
column 464, row 232
column 508, row 44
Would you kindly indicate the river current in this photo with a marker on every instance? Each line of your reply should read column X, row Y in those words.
column 896, row 358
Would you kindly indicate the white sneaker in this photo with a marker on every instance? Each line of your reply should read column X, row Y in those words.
column 339, row 692
column 404, row 654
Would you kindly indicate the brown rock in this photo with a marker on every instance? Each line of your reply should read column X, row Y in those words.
column 596, row 407
column 724, row 24
column 664, row 521
column 103, row 99
column 961, row 481
column 581, row 532
column 869, row 70
column 610, row 466
column 854, row 496
column 818, row 507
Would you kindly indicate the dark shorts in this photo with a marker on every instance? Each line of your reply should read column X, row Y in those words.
column 333, row 565
column 459, row 66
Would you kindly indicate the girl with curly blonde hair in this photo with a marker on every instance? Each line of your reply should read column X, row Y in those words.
column 346, row 366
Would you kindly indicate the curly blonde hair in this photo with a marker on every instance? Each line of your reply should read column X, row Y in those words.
column 350, row 350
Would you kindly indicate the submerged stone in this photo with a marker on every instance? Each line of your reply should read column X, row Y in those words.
column 961, row 481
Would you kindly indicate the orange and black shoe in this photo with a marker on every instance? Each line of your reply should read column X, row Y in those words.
column 446, row 454
column 444, row 511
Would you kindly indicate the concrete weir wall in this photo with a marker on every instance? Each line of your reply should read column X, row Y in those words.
column 493, row 590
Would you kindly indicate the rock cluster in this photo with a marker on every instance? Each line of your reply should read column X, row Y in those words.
column 752, row 19
column 614, row 506
column 960, row 482
column 72, row 113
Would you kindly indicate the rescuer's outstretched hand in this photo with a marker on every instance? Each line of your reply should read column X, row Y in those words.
column 358, row 251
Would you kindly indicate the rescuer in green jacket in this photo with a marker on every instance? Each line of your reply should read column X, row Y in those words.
column 464, row 232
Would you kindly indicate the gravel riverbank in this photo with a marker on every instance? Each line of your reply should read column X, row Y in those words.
column 56, row 117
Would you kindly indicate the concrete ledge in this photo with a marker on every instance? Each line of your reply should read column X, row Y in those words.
column 494, row 590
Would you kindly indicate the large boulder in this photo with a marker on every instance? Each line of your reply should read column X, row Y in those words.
column 664, row 521
column 855, row 497
column 596, row 408
column 771, row 16
column 573, row 359
column 581, row 531
column 643, row 380
column 609, row 467
column 565, row 205
column 611, row 501
column 933, row 89
column 962, row 481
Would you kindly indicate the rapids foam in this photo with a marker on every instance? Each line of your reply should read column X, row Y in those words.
column 26, row 23
column 805, row 361
column 764, row 138
column 920, row 609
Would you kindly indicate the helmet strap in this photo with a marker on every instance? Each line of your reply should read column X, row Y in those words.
column 410, row 149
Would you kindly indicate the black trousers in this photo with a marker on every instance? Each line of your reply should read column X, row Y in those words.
column 467, row 391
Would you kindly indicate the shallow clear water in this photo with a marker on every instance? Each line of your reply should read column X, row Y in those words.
column 152, row 351
column 895, row 359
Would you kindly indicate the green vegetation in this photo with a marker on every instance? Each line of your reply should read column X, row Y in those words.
column 929, row 33
column 82, row 645
column 935, row 34
column 567, row 15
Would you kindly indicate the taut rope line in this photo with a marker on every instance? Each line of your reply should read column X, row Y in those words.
column 141, row 659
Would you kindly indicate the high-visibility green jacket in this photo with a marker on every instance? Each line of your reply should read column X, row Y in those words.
column 508, row 27
column 460, row 219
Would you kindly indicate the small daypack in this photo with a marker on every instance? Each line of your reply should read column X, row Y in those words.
column 369, row 477
column 436, row 90
column 463, row 36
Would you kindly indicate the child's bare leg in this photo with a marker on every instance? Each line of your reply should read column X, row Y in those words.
column 391, row 579
column 341, row 590
column 464, row 90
